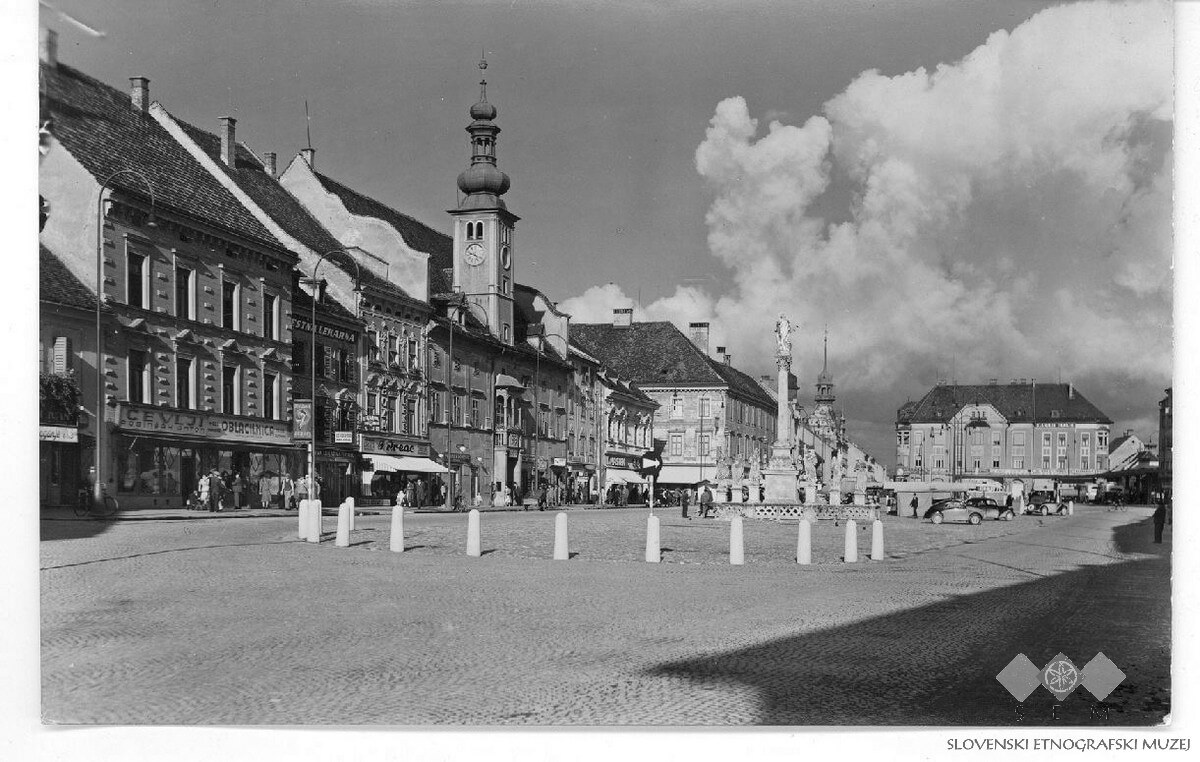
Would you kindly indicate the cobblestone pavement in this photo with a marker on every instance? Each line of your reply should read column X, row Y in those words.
column 230, row 622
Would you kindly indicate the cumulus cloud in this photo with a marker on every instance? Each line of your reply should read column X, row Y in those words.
column 1010, row 210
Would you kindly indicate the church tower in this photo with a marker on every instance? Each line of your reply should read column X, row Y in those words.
column 483, row 227
column 824, row 420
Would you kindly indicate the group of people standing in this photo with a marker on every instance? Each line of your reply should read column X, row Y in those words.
column 219, row 491
column 703, row 498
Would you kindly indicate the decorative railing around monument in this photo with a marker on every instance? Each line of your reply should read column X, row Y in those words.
column 780, row 511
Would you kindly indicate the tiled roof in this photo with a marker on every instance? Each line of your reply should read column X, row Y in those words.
column 419, row 236
column 1014, row 401
column 100, row 128
column 658, row 354
column 59, row 285
column 281, row 206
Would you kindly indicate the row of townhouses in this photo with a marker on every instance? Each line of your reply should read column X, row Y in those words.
column 253, row 317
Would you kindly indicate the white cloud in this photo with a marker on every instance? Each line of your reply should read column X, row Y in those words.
column 1010, row 211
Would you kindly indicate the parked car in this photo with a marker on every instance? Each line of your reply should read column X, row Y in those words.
column 1045, row 508
column 972, row 510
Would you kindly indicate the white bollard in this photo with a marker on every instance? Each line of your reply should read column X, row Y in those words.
column 302, row 520
column 473, row 533
column 397, row 541
column 851, row 555
column 343, row 526
column 737, row 555
column 561, row 553
column 653, row 552
column 313, row 521
column 804, row 543
column 1070, row 507
column 877, row 540
column 350, row 500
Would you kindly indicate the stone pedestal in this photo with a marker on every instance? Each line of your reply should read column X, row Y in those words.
column 860, row 498
column 835, row 497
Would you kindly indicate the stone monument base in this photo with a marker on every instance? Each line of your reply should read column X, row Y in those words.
column 793, row 510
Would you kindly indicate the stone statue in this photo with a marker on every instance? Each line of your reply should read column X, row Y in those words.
column 783, row 331
column 724, row 471
column 756, row 473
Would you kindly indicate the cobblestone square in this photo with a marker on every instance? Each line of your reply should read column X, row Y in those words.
column 235, row 621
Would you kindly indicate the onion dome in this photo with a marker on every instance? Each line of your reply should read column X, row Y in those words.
column 483, row 110
column 483, row 178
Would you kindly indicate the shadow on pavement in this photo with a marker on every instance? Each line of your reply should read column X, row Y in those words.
column 51, row 529
column 936, row 664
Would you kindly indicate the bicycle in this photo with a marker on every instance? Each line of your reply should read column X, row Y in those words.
column 85, row 505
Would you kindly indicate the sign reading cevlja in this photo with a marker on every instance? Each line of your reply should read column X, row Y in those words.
column 58, row 433
column 147, row 419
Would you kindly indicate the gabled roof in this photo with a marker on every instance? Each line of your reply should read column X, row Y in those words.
column 419, row 236
column 281, row 206
column 1016, row 402
column 658, row 354
column 58, row 285
column 101, row 129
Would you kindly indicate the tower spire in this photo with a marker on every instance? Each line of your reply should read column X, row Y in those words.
column 482, row 182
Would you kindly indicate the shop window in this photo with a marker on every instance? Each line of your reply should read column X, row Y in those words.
column 184, row 285
column 139, row 376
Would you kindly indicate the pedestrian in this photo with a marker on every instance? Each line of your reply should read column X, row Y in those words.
column 239, row 486
column 287, row 492
column 541, row 497
column 706, row 503
column 215, row 488
column 683, row 501
column 913, row 505
column 410, row 493
column 1160, row 518
column 421, row 493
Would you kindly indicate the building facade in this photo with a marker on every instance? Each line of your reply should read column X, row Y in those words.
column 1165, row 444
column 710, row 416
column 196, row 373
column 998, row 430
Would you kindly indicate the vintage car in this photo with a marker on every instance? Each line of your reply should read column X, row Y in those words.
column 972, row 510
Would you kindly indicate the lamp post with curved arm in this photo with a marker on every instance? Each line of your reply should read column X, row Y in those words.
column 98, row 482
column 312, row 367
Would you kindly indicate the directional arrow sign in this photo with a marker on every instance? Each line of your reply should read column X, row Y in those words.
column 650, row 462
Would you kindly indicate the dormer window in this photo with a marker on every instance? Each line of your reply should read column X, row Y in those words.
column 1056, row 414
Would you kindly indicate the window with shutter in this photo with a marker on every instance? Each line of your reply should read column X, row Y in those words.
column 330, row 362
column 62, row 355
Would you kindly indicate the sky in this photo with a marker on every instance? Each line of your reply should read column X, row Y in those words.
column 960, row 190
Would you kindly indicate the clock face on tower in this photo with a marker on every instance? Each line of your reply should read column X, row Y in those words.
column 474, row 254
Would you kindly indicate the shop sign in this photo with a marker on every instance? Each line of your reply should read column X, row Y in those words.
column 147, row 419
column 302, row 420
column 388, row 446
column 336, row 456
column 541, row 464
column 370, row 421
column 323, row 330
column 560, row 462
column 58, row 433
column 343, row 437
column 619, row 461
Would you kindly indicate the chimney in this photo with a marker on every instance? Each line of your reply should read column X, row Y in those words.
column 310, row 156
column 48, row 47
column 698, row 333
column 1071, row 391
column 139, row 93
column 623, row 318
column 228, row 140
column 269, row 163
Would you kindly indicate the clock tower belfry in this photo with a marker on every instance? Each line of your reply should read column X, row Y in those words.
column 484, row 271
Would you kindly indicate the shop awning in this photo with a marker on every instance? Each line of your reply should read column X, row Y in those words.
column 622, row 476
column 685, row 474
column 405, row 463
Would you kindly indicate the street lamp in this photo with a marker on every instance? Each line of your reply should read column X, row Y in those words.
column 312, row 367
column 98, row 484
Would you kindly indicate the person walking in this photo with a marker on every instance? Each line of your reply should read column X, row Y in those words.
column 421, row 492
column 287, row 491
column 706, row 501
column 1160, row 519
column 410, row 493
column 683, row 501
column 541, row 497
column 913, row 506
column 239, row 486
